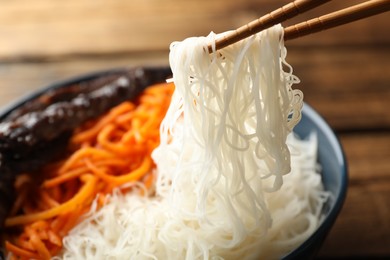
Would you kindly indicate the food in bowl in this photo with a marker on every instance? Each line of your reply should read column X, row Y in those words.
column 231, row 180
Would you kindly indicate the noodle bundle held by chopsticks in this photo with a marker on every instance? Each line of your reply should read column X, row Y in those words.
column 232, row 180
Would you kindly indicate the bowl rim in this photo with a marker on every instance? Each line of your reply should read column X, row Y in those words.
column 307, row 110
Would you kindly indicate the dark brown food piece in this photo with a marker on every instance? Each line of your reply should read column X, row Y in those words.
column 37, row 131
column 59, row 94
column 19, row 134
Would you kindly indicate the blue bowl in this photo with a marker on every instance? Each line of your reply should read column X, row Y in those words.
column 330, row 156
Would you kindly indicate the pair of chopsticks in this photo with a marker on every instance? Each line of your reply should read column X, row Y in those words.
column 292, row 9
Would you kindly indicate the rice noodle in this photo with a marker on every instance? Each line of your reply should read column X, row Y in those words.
column 227, row 186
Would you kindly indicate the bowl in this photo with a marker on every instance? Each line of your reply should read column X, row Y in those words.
column 330, row 155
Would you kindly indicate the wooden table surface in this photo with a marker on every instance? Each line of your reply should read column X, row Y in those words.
column 345, row 74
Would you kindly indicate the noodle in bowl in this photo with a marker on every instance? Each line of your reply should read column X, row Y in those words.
column 233, row 179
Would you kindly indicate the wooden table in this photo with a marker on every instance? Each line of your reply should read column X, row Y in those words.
column 345, row 76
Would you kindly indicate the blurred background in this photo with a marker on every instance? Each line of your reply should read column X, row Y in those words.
column 345, row 74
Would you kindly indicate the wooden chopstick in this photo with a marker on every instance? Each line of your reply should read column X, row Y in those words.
column 281, row 14
column 292, row 9
column 337, row 18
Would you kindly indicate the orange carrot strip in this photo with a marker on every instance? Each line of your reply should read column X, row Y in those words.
column 41, row 233
column 89, row 134
column 17, row 251
column 79, row 199
column 58, row 222
column 119, row 148
column 105, row 133
column 40, row 247
column 39, row 225
column 102, row 198
column 24, row 242
column 49, row 201
column 113, row 162
column 136, row 125
column 118, row 180
column 70, row 188
column 125, row 118
column 70, row 175
column 71, row 220
column 150, row 122
column 85, row 152
column 128, row 138
column 54, row 238
column 55, row 192
column 40, row 204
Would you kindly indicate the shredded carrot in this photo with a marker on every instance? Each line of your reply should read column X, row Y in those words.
column 21, row 252
column 86, row 152
column 70, row 175
column 92, row 132
column 79, row 199
column 75, row 173
column 48, row 200
column 134, row 175
column 40, row 247
column 103, row 154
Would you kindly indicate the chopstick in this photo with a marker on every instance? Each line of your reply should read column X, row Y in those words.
column 337, row 18
column 297, row 7
column 281, row 14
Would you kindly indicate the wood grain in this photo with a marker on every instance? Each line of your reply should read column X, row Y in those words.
column 61, row 28
column 363, row 228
